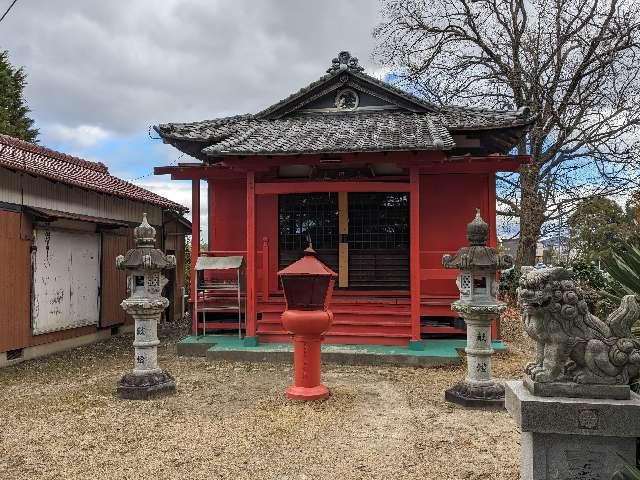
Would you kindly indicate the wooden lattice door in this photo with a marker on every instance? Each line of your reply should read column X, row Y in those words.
column 378, row 241
column 304, row 217
column 364, row 237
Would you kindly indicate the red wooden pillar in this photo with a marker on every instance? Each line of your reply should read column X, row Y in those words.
column 250, row 313
column 414, row 251
column 493, row 240
column 265, row 269
column 195, row 244
column 210, row 237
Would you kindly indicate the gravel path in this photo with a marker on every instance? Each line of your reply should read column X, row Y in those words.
column 59, row 418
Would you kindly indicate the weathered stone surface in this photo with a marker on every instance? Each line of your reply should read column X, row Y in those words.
column 572, row 345
column 571, row 438
column 144, row 387
column 571, row 416
column 576, row 390
column 575, row 408
column 488, row 396
column 144, row 265
column 478, row 305
column 548, row 456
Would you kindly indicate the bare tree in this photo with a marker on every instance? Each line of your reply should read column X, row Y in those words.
column 575, row 63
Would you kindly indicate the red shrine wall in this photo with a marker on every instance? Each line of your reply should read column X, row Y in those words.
column 227, row 212
column 228, row 232
column 447, row 205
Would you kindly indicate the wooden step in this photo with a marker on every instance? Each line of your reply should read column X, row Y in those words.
column 360, row 321
column 377, row 330
column 346, row 328
column 354, row 317
column 218, row 308
column 219, row 326
column 441, row 330
column 344, row 339
column 352, row 309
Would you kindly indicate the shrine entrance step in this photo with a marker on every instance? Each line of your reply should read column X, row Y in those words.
column 230, row 348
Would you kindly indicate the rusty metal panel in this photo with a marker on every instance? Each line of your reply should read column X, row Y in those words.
column 15, row 245
column 66, row 280
column 114, row 281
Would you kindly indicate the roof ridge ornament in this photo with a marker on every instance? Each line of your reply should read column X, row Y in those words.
column 344, row 61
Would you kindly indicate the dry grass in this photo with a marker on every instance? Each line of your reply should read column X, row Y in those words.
column 60, row 418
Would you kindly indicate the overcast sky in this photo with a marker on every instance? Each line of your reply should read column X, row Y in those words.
column 101, row 72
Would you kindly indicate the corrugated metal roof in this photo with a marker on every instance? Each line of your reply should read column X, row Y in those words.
column 219, row 263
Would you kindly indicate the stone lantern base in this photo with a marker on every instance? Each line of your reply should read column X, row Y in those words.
column 489, row 395
column 478, row 389
column 146, row 386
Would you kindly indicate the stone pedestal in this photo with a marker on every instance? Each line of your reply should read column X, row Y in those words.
column 147, row 379
column 478, row 305
column 146, row 386
column 573, row 438
column 144, row 265
column 478, row 389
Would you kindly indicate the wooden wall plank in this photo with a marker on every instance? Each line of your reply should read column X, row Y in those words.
column 15, row 281
column 448, row 203
column 114, row 281
column 343, row 247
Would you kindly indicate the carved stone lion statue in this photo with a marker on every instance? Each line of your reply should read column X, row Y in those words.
column 572, row 344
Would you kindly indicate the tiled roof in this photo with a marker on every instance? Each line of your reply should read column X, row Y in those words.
column 36, row 160
column 318, row 133
column 339, row 132
column 404, row 122
column 466, row 118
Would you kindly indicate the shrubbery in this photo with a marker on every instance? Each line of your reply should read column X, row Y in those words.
column 508, row 285
column 593, row 281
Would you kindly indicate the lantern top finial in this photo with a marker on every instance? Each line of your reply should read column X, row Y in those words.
column 477, row 230
column 144, row 234
column 308, row 265
column 477, row 256
column 144, row 255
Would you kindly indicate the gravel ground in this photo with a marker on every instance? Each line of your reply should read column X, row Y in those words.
column 60, row 418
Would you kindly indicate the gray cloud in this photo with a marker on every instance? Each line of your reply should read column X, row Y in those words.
column 123, row 65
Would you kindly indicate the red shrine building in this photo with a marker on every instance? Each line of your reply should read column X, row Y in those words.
column 379, row 181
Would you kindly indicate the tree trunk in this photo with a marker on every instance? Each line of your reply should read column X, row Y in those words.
column 532, row 210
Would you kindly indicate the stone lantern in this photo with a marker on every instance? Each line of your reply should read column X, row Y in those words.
column 478, row 265
column 144, row 265
column 307, row 285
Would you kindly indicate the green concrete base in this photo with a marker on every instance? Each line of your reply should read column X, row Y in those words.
column 195, row 346
column 250, row 341
column 231, row 348
column 416, row 345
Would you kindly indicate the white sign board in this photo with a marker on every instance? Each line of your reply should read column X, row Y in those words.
column 66, row 279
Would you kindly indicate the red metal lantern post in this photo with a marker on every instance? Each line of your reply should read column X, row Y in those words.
column 307, row 285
